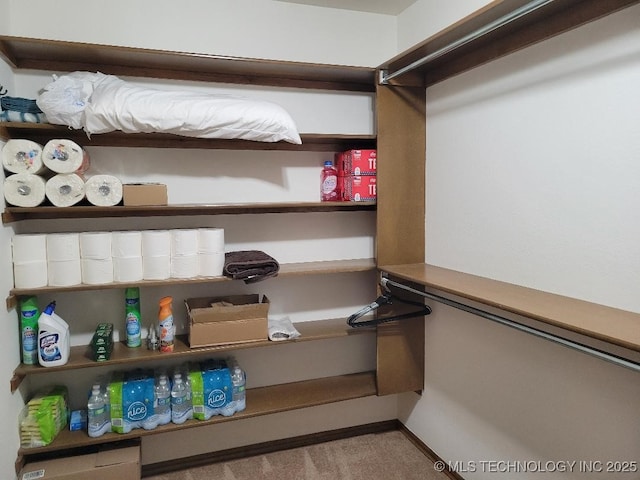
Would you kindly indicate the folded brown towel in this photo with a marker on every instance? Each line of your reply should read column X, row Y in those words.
column 250, row 265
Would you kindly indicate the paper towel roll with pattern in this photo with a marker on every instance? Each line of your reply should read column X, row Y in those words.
column 65, row 189
column 24, row 189
column 22, row 156
column 103, row 190
column 65, row 156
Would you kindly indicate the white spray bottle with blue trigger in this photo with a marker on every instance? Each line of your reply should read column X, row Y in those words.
column 54, row 344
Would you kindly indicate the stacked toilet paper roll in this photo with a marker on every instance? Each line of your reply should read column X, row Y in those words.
column 61, row 155
column 103, row 190
column 184, row 253
column 126, row 252
column 210, row 252
column 22, row 156
column 29, row 260
column 63, row 259
column 24, row 189
column 95, row 257
column 65, row 189
column 156, row 254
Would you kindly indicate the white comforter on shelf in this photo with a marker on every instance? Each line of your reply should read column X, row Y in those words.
column 101, row 103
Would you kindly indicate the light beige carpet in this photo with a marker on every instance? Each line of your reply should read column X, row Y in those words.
column 377, row 456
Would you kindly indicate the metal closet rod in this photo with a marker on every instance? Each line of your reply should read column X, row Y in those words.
column 609, row 357
column 385, row 77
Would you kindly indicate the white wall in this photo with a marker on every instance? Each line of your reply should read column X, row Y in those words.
column 532, row 178
column 294, row 32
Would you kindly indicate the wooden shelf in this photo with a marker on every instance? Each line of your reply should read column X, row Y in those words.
column 611, row 325
column 62, row 56
column 545, row 22
column 122, row 355
column 286, row 270
column 260, row 401
column 14, row 214
column 311, row 142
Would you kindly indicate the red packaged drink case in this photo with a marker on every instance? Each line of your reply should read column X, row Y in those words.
column 329, row 189
column 359, row 188
column 357, row 162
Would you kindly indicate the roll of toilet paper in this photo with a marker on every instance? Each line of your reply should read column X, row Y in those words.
column 65, row 189
column 127, row 269
column 210, row 240
column 156, row 243
column 95, row 245
column 63, row 247
column 30, row 274
column 126, row 244
column 210, row 264
column 97, row 271
column 156, row 268
column 29, row 248
column 24, row 189
column 64, row 273
column 184, row 266
column 22, row 156
column 184, row 242
column 103, row 190
column 65, row 156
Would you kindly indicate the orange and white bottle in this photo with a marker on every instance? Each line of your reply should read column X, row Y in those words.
column 167, row 328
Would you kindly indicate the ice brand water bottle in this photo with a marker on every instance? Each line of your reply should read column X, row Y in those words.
column 98, row 421
column 238, row 379
column 329, row 191
column 180, row 404
column 163, row 401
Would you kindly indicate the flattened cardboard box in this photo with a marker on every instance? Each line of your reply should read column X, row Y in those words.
column 134, row 194
column 106, row 464
column 225, row 320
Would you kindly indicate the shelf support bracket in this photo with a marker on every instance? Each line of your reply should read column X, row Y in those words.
column 15, row 382
column 11, row 302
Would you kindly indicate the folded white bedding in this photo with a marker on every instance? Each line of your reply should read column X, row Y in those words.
column 101, row 103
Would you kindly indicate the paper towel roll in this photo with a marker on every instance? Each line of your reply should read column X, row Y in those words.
column 24, row 189
column 96, row 271
column 210, row 240
column 184, row 242
column 184, row 266
column 30, row 274
column 65, row 189
column 29, row 248
column 127, row 269
column 156, row 268
column 156, row 243
column 126, row 244
column 63, row 247
column 211, row 264
column 64, row 273
column 22, row 156
column 95, row 245
column 103, row 190
column 65, row 156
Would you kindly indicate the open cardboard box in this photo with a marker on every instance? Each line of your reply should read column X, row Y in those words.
column 227, row 320
column 107, row 463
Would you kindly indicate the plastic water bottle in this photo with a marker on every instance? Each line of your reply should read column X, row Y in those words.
column 238, row 378
column 98, row 422
column 329, row 191
column 163, row 401
column 180, row 404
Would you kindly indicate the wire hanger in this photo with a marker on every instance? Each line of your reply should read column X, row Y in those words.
column 3, row 91
column 387, row 298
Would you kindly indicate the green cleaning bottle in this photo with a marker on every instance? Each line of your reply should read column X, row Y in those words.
column 29, row 314
column 132, row 319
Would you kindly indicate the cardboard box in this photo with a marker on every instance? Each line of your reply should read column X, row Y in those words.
column 359, row 188
column 134, row 194
column 356, row 162
column 105, row 464
column 227, row 320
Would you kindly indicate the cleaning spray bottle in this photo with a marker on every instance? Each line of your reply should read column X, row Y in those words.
column 29, row 313
column 133, row 322
column 166, row 326
column 54, row 344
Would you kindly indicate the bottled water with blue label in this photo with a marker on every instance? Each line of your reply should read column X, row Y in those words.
column 181, row 409
column 238, row 379
column 163, row 401
column 98, row 422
